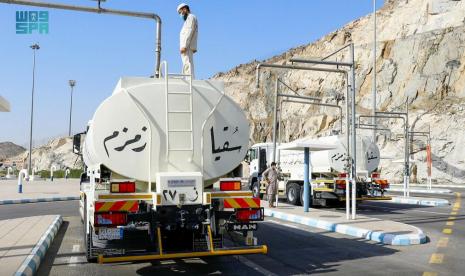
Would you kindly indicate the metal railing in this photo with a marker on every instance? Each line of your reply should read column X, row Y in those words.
column 100, row 10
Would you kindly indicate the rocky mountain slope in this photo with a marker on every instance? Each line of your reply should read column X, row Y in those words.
column 9, row 149
column 420, row 58
column 57, row 152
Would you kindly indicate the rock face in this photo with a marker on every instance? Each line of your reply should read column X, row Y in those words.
column 9, row 149
column 420, row 58
column 57, row 152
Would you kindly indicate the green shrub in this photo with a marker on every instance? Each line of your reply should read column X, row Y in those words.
column 74, row 173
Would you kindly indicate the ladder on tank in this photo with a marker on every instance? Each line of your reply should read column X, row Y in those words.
column 179, row 122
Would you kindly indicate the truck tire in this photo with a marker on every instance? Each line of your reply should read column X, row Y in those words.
column 88, row 243
column 256, row 190
column 293, row 194
column 302, row 197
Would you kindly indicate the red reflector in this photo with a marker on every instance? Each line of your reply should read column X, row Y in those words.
column 123, row 187
column 249, row 214
column 110, row 219
column 340, row 184
column 342, row 175
column 230, row 185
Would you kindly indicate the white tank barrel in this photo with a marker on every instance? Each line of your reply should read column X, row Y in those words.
column 368, row 157
column 142, row 129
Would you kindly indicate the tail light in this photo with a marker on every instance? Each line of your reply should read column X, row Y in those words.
column 342, row 175
column 245, row 215
column 375, row 175
column 123, row 187
column 340, row 184
column 110, row 219
column 230, row 185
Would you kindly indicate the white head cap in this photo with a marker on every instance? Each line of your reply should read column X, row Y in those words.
column 180, row 6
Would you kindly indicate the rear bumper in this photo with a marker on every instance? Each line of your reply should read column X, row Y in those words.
column 220, row 252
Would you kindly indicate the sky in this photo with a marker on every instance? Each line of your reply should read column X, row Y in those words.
column 97, row 49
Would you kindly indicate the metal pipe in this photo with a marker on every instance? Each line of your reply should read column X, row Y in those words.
column 390, row 113
column 354, row 132
column 292, row 67
column 348, row 124
column 373, row 89
column 101, row 10
column 300, row 97
column 288, row 87
column 275, row 117
column 72, row 83
column 307, row 180
column 407, row 151
column 321, row 62
column 34, row 48
column 337, row 51
column 321, row 104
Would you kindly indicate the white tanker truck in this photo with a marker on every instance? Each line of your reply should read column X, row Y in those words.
column 151, row 151
column 328, row 185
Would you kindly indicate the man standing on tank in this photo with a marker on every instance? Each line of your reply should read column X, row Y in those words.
column 188, row 39
column 271, row 177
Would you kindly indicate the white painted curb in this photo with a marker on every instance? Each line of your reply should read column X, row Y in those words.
column 32, row 261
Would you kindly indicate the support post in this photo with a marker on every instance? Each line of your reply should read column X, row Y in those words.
column 347, row 197
column 354, row 132
column 307, row 199
column 373, row 90
column 275, row 116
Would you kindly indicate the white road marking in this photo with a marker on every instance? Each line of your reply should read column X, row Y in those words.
column 255, row 266
column 74, row 260
column 390, row 208
column 283, row 224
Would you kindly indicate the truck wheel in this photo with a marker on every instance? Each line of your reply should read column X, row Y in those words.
column 302, row 197
column 88, row 243
column 293, row 194
column 256, row 190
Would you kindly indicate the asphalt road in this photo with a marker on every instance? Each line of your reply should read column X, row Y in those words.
column 293, row 249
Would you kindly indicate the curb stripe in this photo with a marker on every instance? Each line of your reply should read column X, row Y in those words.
column 35, row 200
column 431, row 202
column 378, row 236
column 32, row 261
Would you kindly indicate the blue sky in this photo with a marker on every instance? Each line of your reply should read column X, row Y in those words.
column 96, row 50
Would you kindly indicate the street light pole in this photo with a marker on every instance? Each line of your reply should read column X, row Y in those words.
column 34, row 48
column 72, row 83
column 373, row 89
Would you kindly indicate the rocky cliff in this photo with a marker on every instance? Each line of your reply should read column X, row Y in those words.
column 57, row 152
column 420, row 59
column 9, row 149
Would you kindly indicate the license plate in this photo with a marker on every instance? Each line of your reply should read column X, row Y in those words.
column 242, row 227
column 110, row 233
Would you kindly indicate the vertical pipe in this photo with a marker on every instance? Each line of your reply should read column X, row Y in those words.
column 34, row 48
column 306, row 179
column 348, row 123
column 430, row 165
column 70, row 110
column 354, row 198
column 373, row 89
column 347, row 197
column 22, row 174
column 275, row 117
column 354, row 137
column 280, row 129
column 407, row 153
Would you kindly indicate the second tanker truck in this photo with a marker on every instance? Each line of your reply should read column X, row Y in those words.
column 328, row 183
